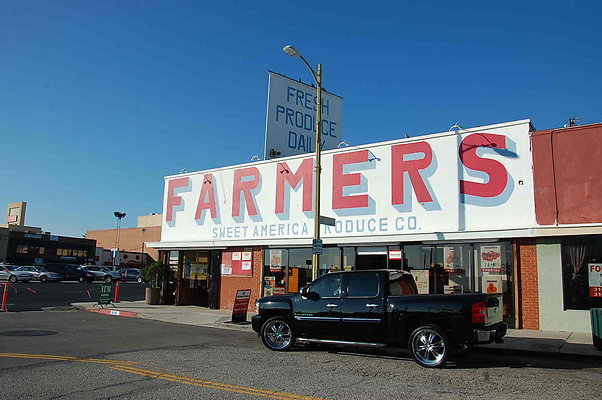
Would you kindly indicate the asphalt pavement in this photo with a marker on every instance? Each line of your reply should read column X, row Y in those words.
column 82, row 355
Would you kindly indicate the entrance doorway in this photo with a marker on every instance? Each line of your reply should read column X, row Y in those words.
column 371, row 258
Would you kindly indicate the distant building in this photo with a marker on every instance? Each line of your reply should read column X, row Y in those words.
column 132, row 249
column 27, row 245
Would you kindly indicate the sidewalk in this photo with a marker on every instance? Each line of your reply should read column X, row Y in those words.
column 518, row 340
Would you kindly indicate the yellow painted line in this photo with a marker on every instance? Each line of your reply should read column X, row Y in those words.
column 66, row 358
column 126, row 366
column 214, row 385
column 288, row 395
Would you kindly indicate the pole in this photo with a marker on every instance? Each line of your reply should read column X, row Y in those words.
column 316, row 257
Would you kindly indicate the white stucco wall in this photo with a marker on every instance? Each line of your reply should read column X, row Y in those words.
column 552, row 316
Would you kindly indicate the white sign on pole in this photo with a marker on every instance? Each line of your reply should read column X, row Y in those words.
column 291, row 118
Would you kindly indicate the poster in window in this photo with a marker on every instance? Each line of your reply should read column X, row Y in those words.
column 492, row 284
column 452, row 257
column 247, row 255
column 275, row 260
column 198, row 271
column 232, row 260
column 594, row 272
column 226, row 270
column 421, row 277
column 246, row 265
column 452, row 289
column 491, row 259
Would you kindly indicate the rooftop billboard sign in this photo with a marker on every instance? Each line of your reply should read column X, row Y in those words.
column 290, row 127
column 474, row 180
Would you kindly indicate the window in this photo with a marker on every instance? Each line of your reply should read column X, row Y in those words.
column 363, row 285
column 400, row 284
column 327, row 286
column 577, row 255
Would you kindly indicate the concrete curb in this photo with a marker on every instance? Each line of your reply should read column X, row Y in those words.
column 114, row 312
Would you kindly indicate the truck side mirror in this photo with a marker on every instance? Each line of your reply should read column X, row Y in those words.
column 305, row 292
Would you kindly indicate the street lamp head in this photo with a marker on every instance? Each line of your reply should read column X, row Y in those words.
column 119, row 214
column 291, row 51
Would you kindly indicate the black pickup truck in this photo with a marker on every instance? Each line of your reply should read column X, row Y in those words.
column 379, row 308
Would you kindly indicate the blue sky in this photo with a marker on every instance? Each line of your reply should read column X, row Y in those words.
column 99, row 100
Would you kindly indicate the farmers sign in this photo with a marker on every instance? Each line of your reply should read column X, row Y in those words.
column 474, row 180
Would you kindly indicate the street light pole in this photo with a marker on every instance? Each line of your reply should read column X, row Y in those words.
column 291, row 51
column 120, row 216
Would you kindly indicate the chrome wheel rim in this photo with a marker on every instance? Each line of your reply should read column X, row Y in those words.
column 428, row 347
column 277, row 334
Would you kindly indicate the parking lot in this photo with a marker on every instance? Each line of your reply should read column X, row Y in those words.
column 35, row 296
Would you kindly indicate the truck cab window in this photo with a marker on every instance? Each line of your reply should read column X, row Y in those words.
column 327, row 286
column 363, row 285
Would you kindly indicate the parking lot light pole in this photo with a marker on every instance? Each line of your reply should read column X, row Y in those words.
column 119, row 216
column 291, row 51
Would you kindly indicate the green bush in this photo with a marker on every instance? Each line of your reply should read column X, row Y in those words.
column 153, row 273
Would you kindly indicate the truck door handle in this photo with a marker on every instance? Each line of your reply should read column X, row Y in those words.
column 332, row 305
column 371, row 305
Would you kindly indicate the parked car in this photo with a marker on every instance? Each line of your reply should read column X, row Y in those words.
column 10, row 273
column 41, row 274
column 131, row 274
column 380, row 308
column 103, row 273
column 71, row 272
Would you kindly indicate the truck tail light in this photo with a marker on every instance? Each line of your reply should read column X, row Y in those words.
column 479, row 312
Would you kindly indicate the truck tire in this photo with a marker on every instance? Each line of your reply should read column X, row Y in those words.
column 277, row 334
column 429, row 346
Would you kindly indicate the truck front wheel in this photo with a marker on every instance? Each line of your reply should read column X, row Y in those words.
column 277, row 334
column 429, row 346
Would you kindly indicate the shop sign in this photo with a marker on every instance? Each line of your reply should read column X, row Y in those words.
column 474, row 180
column 241, row 305
column 491, row 259
column 291, row 118
column 105, row 293
column 595, row 279
column 394, row 254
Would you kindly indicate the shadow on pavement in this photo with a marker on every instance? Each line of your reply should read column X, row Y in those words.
column 475, row 358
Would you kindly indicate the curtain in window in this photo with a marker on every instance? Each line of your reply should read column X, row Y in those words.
column 576, row 257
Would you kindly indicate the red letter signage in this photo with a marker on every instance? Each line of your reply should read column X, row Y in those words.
column 206, row 198
column 172, row 199
column 286, row 175
column 399, row 166
column 498, row 176
column 244, row 187
column 340, row 179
